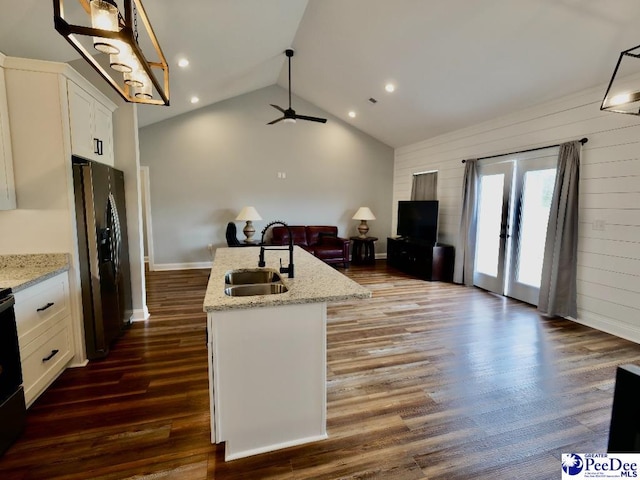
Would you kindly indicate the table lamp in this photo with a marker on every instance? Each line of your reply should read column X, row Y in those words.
column 363, row 214
column 248, row 214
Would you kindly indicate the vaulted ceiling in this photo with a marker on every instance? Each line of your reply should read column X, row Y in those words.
column 455, row 63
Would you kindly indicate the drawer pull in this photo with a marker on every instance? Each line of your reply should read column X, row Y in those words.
column 51, row 355
column 48, row 305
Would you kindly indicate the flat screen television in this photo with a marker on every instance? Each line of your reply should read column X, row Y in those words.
column 418, row 220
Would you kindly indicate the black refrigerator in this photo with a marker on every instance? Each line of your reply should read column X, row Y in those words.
column 104, row 254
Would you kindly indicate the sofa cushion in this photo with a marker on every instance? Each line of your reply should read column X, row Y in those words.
column 332, row 252
column 314, row 231
column 280, row 235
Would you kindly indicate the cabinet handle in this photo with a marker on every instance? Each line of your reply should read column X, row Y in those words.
column 48, row 305
column 51, row 355
column 96, row 146
column 99, row 147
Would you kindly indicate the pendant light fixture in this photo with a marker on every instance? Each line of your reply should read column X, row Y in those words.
column 111, row 46
column 623, row 92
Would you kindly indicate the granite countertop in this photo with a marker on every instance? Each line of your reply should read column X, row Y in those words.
column 314, row 281
column 24, row 270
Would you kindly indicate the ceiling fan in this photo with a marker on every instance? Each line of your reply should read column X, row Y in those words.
column 290, row 115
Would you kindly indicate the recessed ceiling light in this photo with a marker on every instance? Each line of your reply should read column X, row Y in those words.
column 183, row 62
column 389, row 87
column 352, row 114
column 195, row 99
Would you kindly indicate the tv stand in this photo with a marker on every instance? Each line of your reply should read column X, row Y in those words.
column 422, row 259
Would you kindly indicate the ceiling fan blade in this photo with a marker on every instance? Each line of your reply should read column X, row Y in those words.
column 276, row 121
column 312, row 119
column 277, row 107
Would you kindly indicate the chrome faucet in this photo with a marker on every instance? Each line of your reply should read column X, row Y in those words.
column 288, row 270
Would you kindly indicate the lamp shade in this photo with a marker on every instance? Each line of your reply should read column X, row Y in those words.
column 364, row 213
column 104, row 15
column 248, row 213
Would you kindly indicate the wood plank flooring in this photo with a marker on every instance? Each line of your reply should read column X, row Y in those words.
column 425, row 381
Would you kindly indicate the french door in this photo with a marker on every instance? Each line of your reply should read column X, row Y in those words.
column 513, row 210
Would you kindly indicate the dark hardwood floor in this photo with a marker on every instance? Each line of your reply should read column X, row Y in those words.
column 425, row 381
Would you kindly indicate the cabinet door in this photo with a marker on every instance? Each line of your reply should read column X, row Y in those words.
column 103, row 133
column 43, row 318
column 7, row 188
column 81, row 122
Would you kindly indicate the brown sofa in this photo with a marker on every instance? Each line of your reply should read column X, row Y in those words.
column 321, row 241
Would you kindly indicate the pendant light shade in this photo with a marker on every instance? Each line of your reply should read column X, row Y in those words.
column 124, row 61
column 98, row 27
column 623, row 92
column 104, row 15
column 144, row 91
column 137, row 77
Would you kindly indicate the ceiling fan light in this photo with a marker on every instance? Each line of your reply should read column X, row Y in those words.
column 289, row 120
column 104, row 15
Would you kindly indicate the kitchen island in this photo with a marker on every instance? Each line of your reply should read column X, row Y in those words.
column 267, row 353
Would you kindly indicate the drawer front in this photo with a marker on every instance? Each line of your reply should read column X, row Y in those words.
column 40, row 306
column 44, row 359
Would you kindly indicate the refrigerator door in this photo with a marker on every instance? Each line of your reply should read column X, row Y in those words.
column 102, row 257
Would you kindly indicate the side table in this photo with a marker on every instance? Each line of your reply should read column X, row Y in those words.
column 363, row 250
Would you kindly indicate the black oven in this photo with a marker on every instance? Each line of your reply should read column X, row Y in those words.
column 12, row 406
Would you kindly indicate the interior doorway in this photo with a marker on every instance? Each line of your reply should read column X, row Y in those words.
column 147, row 229
column 514, row 200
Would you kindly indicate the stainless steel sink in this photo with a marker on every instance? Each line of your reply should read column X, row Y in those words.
column 255, row 289
column 244, row 277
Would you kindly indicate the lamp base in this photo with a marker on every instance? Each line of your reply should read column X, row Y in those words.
column 363, row 229
column 248, row 231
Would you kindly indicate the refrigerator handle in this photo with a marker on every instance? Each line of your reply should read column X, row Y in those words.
column 115, row 235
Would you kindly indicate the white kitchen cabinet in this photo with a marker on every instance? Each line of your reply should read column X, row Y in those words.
column 91, row 126
column 43, row 318
column 7, row 188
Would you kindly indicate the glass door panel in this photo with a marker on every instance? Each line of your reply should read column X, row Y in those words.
column 489, row 224
column 534, row 184
column 493, row 213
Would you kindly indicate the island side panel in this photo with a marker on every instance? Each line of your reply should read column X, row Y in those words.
column 269, row 374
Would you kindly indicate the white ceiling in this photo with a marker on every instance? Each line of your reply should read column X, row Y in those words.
column 455, row 62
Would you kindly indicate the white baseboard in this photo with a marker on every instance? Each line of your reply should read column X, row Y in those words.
column 75, row 364
column 619, row 329
column 271, row 448
column 140, row 314
column 381, row 256
column 181, row 266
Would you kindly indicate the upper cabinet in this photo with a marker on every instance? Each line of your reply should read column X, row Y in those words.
column 91, row 126
column 7, row 188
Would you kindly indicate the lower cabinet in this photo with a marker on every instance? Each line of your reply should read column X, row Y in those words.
column 43, row 318
column 429, row 262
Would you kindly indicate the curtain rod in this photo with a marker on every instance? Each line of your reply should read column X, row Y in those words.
column 425, row 172
column 582, row 141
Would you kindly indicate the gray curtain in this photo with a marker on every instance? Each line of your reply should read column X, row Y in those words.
column 425, row 186
column 466, row 246
column 558, row 283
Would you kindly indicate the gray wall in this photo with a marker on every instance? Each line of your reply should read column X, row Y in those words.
column 206, row 165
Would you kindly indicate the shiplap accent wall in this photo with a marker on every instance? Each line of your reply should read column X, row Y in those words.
column 609, row 258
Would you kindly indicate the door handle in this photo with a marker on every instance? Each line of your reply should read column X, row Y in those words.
column 97, row 146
